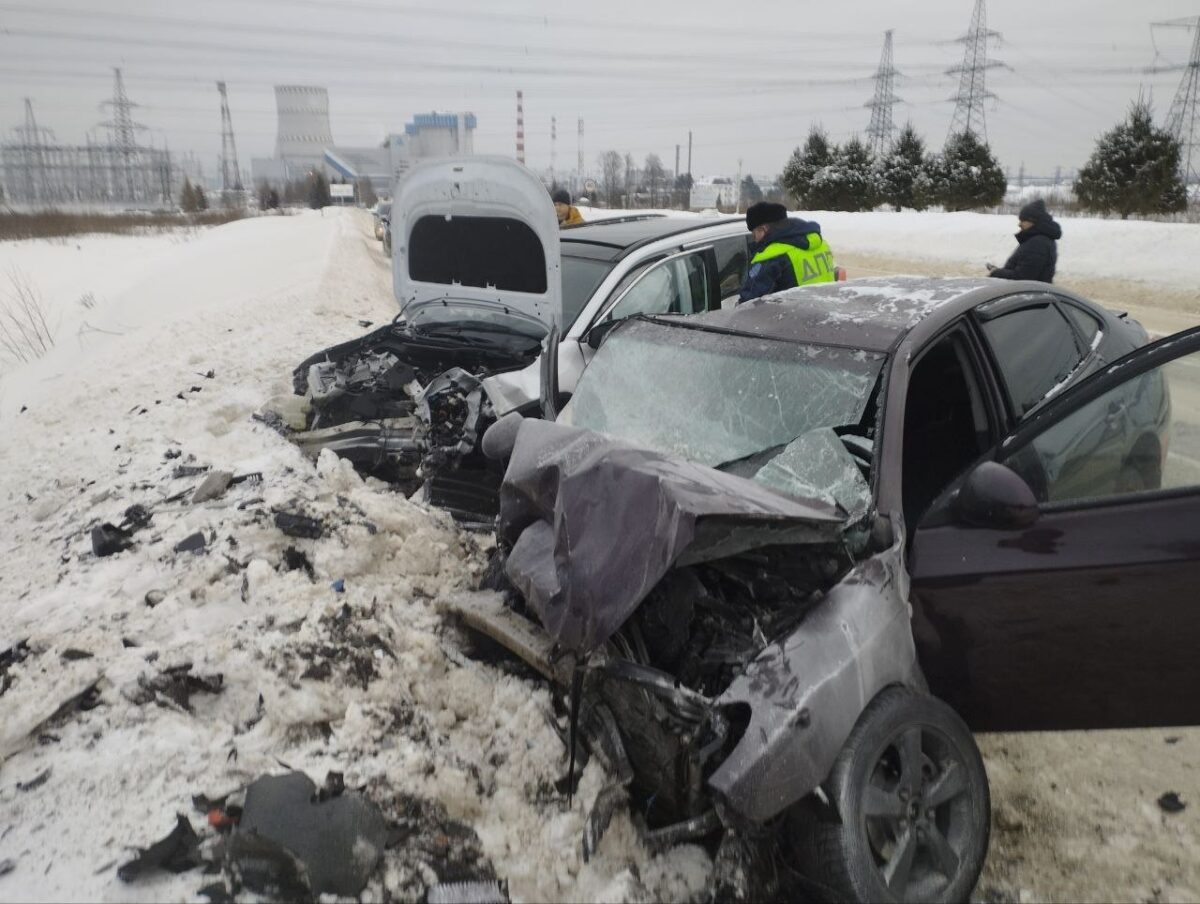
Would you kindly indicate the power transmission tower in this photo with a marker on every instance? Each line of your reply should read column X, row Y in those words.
column 972, row 87
column 1185, row 108
column 881, row 129
column 122, row 132
column 553, row 149
column 33, row 141
column 231, row 174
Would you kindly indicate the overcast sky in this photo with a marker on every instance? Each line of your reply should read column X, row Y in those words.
column 748, row 79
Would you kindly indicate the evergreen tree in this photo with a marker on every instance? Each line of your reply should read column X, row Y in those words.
column 804, row 164
column 366, row 192
column 847, row 182
column 966, row 175
column 187, row 197
column 904, row 172
column 751, row 193
column 1133, row 170
column 318, row 191
column 201, row 199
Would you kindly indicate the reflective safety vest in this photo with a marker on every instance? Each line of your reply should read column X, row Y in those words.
column 814, row 265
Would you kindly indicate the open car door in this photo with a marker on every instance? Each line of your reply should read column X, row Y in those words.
column 1057, row 583
column 476, row 238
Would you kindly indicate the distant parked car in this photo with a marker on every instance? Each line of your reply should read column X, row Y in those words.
column 382, row 213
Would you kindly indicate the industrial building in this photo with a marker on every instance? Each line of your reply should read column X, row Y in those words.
column 304, row 143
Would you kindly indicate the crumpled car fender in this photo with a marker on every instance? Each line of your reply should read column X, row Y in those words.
column 806, row 692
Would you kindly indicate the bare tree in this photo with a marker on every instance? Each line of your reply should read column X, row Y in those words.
column 610, row 176
column 24, row 332
column 656, row 176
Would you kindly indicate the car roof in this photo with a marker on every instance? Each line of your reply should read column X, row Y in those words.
column 870, row 314
column 613, row 239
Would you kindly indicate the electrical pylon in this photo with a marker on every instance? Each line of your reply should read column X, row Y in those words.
column 1183, row 119
column 122, row 132
column 882, row 127
column 231, row 174
column 972, row 73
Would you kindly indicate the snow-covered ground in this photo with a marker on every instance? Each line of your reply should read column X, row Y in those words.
column 198, row 332
column 369, row 681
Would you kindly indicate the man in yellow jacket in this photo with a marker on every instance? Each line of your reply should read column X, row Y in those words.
column 786, row 252
column 568, row 214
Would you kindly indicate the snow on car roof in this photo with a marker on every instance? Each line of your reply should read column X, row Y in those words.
column 869, row 314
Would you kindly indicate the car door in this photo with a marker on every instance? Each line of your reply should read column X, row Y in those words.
column 1075, row 604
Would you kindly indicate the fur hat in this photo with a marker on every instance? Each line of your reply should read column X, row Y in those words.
column 764, row 212
column 561, row 196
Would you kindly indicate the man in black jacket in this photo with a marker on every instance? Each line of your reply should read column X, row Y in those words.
column 1037, row 249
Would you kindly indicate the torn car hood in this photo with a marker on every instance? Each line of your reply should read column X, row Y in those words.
column 476, row 238
column 594, row 523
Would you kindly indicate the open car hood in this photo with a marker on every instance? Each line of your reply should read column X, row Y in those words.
column 594, row 523
column 476, row 239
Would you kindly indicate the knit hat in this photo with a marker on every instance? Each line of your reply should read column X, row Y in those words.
column 1034, row 211
column 764, row 212
column 561, row 196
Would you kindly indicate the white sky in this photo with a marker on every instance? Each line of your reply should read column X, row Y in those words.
column 748, row 79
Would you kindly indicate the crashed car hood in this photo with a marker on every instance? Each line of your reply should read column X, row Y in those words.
column 594, row 523
column 476, row 238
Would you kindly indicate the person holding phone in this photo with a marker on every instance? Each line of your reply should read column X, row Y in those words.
column 1037, row 246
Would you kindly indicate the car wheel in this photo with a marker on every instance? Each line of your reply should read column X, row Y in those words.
column 913, row 810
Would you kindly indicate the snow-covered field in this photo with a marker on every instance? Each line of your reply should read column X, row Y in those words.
column 182, row 339
column 366, row 682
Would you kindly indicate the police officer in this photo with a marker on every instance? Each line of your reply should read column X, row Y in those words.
column 787, row 252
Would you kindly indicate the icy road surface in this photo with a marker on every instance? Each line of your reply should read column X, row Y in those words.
column 367, row 682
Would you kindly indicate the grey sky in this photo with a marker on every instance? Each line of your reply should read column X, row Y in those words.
column 748, row 79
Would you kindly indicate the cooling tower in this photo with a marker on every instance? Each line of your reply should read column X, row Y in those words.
column 304, row 132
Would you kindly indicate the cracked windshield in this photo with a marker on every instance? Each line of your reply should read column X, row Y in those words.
column 772, row 391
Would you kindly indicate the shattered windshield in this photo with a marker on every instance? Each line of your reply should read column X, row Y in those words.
column 714, row 398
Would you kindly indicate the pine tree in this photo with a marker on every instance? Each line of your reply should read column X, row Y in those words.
column 751, row 193
column 847, row 182
column 1133, row 170
column 904, row 172
column 187, row 197
column 365, row 191
column 201, row 199
column 318, row 191
column 966, row 175
column 803, row 165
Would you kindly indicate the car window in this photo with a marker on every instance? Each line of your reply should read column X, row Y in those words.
column 1142, row 435
column 1088, row 326
column 1036, row 351
column 580, row 277
column 675, row 286
column 733, row 256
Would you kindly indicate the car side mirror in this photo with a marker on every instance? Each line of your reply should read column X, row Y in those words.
column 595, row 336
column 996, row 496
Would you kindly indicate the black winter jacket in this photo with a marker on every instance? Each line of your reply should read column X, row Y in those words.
column 1037, row 250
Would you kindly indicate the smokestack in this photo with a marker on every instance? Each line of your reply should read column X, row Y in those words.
column 520, row 128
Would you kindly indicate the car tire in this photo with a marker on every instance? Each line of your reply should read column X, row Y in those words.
column 910, row 815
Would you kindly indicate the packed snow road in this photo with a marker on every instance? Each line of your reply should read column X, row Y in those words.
column 166, row 348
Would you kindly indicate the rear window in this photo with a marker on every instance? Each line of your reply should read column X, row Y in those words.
column 477, row 251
